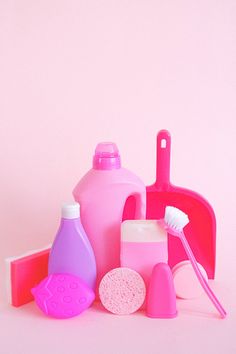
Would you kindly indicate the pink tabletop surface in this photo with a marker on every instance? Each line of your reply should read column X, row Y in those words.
column 196, row 330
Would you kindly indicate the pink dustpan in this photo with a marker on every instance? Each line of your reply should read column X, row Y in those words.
column 201, row 231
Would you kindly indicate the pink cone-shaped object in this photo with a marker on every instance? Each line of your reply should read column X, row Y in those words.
column 161, row 298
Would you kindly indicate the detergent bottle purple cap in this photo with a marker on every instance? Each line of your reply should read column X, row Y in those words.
column 106, row 157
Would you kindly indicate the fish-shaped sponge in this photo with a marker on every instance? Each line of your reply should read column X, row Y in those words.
column 63, row 295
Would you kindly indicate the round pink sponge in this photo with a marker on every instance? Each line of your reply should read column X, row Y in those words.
column 122, row 291
column 186, row 283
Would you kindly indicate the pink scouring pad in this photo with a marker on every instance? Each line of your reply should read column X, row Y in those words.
column 63, row 295
column 23, row 273
column 122, row 291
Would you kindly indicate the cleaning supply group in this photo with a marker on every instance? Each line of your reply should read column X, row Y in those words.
column 128, row 246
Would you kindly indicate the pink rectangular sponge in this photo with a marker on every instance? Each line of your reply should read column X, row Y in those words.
column 24, row 273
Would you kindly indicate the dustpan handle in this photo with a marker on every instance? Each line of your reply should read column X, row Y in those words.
column 163, row 159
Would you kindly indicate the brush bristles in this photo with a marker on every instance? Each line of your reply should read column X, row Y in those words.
column 175, row 218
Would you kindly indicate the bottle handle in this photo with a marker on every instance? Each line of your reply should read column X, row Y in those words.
column 163, row 159
column 140, row 207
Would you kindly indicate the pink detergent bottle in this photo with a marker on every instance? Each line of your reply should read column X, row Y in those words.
column 71, row 251
column 102, row 194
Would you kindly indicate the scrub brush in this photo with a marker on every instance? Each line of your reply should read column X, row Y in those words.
column 174, row 222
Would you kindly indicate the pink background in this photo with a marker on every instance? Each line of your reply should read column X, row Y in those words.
column 73, row 73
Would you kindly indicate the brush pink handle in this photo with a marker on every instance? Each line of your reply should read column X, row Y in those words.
column 200, row 277
column 163, row 160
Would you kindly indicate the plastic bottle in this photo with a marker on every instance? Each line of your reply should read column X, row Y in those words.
column 102, row 194
column 71, row 251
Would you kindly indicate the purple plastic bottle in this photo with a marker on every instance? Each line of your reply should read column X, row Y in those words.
column 71, row 251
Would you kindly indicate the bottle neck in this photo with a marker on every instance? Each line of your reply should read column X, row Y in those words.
column 106, row 163
column 65, row 222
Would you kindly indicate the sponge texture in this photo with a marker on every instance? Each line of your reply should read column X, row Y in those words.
column 122, row 291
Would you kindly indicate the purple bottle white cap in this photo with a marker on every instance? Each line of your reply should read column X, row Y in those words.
column 106, row 157
column 70, row 210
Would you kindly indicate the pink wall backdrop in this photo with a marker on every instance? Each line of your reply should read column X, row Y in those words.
column 73, row 73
